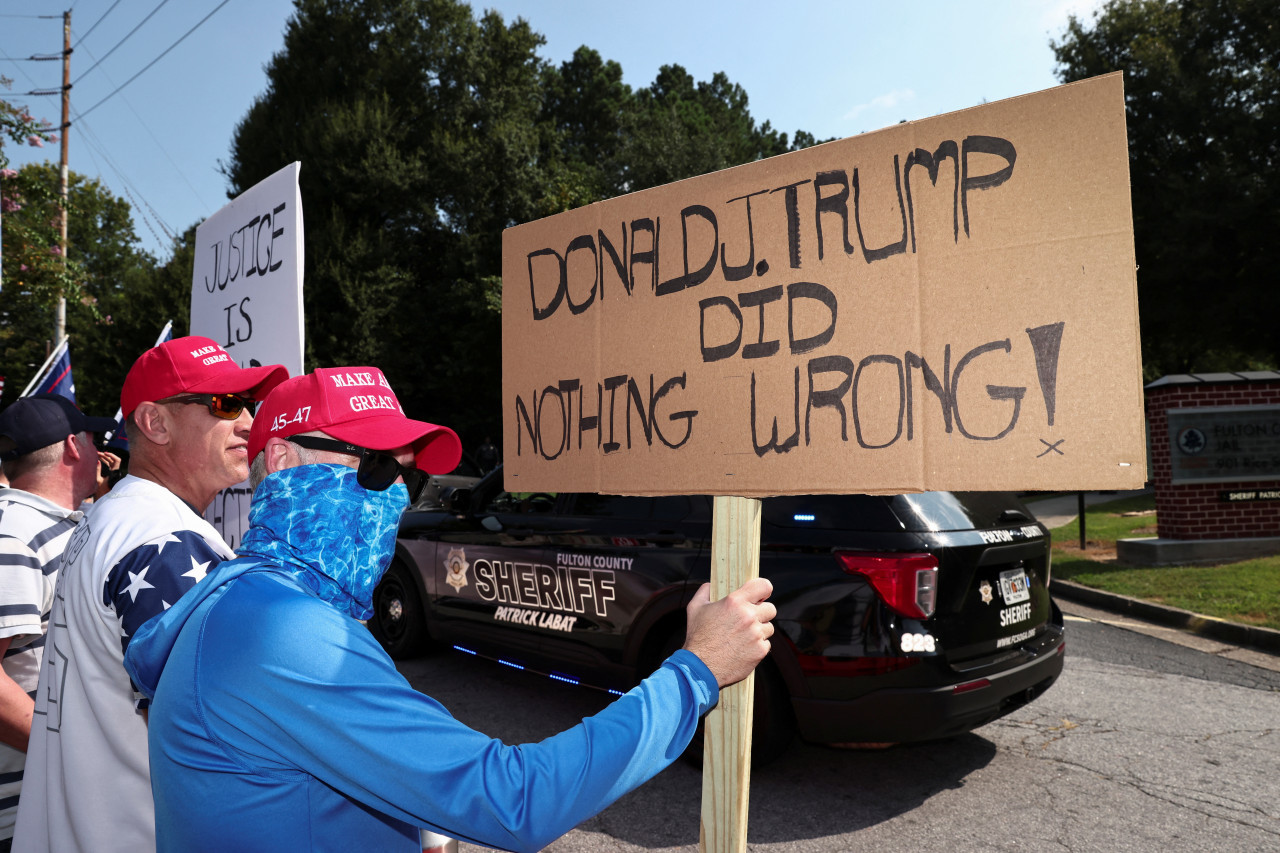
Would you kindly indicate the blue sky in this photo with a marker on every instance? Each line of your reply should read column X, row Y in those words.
column 832, row 68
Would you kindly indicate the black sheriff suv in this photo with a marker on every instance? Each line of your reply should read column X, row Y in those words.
column 900, row 618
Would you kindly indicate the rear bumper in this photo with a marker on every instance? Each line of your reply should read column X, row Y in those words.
column 902, row 715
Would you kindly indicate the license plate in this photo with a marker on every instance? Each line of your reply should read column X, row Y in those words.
column 1014, row 586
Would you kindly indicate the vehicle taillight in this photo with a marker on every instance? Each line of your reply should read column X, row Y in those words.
column 969, row 686
column 908, row 583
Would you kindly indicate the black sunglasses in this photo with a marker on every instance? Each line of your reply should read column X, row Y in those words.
column 224, row 406
column 378, row 469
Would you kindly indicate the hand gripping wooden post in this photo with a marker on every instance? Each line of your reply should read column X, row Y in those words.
column 726, row 766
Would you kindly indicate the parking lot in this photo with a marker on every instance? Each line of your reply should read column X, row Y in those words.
column 1143, row 744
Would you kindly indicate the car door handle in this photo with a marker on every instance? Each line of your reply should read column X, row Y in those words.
column 519, row 532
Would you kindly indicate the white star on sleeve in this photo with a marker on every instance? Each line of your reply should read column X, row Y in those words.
column 137, row 583
column 198, row 570
column 160, row 543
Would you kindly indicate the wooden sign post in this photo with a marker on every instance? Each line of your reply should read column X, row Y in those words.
column 726, row 763
column 945, row 304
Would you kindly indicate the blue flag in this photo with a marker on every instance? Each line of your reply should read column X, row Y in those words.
column 118, row 441
column 56, row 377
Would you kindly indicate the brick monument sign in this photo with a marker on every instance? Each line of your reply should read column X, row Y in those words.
column 1215, row 466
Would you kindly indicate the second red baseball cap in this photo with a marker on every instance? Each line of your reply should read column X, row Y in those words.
column 193, row 365
column 357, row 405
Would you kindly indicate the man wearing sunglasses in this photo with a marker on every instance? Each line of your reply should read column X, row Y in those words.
column 279, row 723
column 188, row 410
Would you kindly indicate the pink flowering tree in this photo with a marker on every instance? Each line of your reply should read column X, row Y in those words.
column 17, row 125
column 30, row 208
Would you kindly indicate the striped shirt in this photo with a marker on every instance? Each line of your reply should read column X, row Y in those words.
column 33, row 534
column 134, row 554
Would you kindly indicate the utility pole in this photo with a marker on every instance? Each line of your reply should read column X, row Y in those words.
column 60, row 322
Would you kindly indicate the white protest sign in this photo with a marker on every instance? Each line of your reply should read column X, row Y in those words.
column 246, row 294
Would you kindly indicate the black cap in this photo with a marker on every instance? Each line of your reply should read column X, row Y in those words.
column 40, row 420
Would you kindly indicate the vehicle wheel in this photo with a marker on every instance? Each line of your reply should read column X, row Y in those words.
column 773, row 724
column 398, row 622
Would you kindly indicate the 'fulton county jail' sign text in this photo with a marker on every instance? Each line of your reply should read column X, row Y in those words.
column 1219, row 444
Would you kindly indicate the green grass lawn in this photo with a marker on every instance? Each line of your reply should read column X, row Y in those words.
column 1246, row 592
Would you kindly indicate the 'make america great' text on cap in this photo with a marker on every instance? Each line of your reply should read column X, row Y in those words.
column 356, row 405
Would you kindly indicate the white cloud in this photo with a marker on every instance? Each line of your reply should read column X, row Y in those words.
column 883, row 102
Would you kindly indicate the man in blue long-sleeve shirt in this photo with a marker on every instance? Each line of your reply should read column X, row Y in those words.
column 279, row 723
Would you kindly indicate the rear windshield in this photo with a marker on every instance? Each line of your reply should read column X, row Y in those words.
column 926, row 511
column 831, row 512
column 961, row 510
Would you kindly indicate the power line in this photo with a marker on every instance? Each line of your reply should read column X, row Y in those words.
column 21, row 68
column 145, row 216
column 93, row 144
column 143, row 124
column 95, row 23
column 157, row 59
column 147, row 219
column 122, row 41
column 38, row 92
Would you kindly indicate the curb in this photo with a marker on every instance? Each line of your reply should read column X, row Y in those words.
column 1252, row 636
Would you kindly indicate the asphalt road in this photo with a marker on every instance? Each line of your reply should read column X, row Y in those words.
column 1142, row 745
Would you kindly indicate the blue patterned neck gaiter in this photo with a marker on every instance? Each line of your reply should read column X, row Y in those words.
column 332, row 535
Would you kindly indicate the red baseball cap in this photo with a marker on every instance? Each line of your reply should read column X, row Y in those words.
column 356, row 405
column 193, row 365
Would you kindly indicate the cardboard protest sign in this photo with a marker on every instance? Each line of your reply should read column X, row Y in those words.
column 246, row 294
column 943, row 304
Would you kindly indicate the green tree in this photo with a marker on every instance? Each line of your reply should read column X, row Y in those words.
column 127, row 297
column 33, row 273
column 606, row 140
column 678, row 128
column 108, row 306
column 417, row 129
column 423, row 133
column 1202, row 94
column 585, row 107
column 32, row 244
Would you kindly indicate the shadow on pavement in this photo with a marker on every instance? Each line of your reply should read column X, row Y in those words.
column 811, row 792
